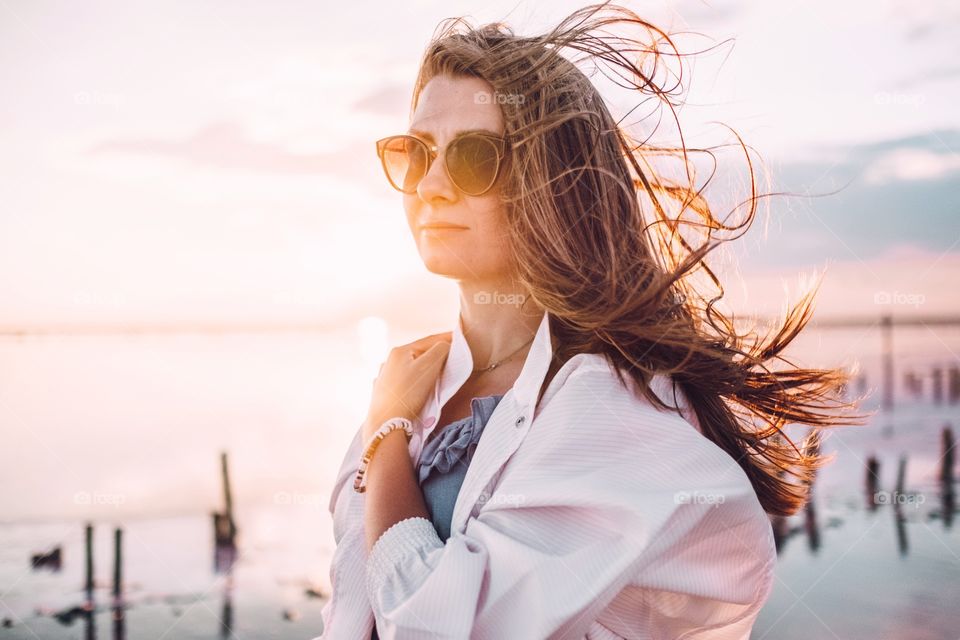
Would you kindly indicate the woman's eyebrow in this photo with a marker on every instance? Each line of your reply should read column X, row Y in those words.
column 429, row 136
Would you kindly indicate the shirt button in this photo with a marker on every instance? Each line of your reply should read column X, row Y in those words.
column 429, row 422
column 520, row 421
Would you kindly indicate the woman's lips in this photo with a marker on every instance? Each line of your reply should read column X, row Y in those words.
column 441, row 228
column 440, row 233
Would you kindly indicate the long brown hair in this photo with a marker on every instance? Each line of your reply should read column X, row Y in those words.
column 609, row 246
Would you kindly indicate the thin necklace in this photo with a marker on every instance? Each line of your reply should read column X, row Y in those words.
column 502, row 360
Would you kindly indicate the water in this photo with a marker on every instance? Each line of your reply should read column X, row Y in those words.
column 873, row 573
column 126, row 431
column 171, row 588
column 859, row 585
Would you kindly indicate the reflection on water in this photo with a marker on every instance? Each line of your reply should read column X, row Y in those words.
column 226, row 615
column 177, row 583
column 224, row 558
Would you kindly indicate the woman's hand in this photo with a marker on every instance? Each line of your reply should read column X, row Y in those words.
column 406, row 379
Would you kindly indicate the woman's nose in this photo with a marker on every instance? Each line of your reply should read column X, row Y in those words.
column 436, row 185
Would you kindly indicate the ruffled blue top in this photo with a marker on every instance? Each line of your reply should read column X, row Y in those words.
column 445, row 458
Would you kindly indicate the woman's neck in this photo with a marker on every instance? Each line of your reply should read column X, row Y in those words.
column 497, row 320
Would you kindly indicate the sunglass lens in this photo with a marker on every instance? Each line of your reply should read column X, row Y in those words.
column 405, row 162
column 472, row 162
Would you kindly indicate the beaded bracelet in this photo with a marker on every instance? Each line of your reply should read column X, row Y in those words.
column 390, row 425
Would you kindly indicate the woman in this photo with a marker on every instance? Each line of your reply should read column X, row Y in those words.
column 593, row 451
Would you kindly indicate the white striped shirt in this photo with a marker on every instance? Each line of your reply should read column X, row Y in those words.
column 594, row 516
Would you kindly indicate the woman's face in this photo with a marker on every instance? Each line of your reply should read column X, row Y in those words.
column 473, row 247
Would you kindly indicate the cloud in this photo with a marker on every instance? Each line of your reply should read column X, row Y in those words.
column 911, row 164
column 860, row 201
column 935, row 18
column 225, row 145
column 933, row 75
column 933, row 139
column 903, row 278
column 697, row 12
column 388, row 100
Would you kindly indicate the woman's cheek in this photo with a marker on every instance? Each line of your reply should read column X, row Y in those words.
column 411, row 210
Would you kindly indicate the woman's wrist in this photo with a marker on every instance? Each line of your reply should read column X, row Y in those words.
column 393, row 440
column 377, row 418
column 374, row 441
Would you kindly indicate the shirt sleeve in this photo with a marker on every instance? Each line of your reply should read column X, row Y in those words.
column 601, row 489
column 344, row 480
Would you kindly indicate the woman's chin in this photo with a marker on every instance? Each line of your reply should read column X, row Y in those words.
column 447, row 264
column 447, row 268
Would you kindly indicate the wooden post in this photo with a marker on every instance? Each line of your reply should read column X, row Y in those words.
column 88, row 546
column 937, row 385
column 913, row 384
column 873, row 481
column 886, row 324
column 948, row 496
column 811, row 527
column 947, row 459
column 901, row 520
column 227, row 496
column 901, row 477
column 117, row 562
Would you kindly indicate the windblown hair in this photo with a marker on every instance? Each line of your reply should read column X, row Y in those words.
column 609, row 246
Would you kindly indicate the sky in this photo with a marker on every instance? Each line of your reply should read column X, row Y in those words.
column 182, row 162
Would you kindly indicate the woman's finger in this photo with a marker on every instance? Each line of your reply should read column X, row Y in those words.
column 421, row 345
column 419, row 351
column 437, row 352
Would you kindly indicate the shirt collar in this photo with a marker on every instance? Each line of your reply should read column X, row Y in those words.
column 459, row 366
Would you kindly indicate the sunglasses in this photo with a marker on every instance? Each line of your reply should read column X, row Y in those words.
column 472, row 161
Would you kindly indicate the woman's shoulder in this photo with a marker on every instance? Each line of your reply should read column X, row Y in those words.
column 606, row 419
column 592, row 379
column 598, row 443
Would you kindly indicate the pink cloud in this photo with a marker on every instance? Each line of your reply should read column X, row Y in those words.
column 225, row 145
